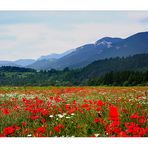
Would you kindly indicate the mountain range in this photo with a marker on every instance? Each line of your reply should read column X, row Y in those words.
column 106, row 47
column 131, row 70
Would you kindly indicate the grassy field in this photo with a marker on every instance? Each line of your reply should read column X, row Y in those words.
column 74, row 111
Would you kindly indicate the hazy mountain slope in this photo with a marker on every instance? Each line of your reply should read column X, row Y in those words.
column 41, row 64
column 135, row 44
column 8, row 63
column 24, row 62
column 85, row 54
column 47, row 62
column 104, row 48
column 54, row 55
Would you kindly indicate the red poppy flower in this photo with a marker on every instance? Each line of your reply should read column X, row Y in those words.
column 96, row 120
column 142, row 132
column 61, row 126
column 113, row 113
column 142, row 120
column 8, row 130
column 134, row 116
column 100, row 103
column 85, row 105
column 98, row 109
column 122, row 134
column 44, row 112
column 5, row 111
column 43, row 120
column 56, row 129
column 40, row 130
column 34, row 117
column 24, row 123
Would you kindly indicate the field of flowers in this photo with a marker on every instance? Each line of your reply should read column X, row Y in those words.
column 74, row 112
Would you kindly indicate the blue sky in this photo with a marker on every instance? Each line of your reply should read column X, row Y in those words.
column 30, row 34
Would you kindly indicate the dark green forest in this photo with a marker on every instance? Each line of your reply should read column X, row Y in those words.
column 125, row 71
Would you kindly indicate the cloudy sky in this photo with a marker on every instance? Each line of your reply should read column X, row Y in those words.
column 30, row 34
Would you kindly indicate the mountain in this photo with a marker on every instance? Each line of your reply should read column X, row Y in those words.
column 104, row 48
column 131, row 69
column 55, row 56
column 41, row 64
column 50, row 56
column 135, row 44
column 138, row 62
column 8, row 63
column 24, row 62
column 46, row 62
column 78, row 57
column 107, row 41
column 86, row 54
column 17, row 63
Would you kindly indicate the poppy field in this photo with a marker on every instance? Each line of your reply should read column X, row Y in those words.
column 74, row 112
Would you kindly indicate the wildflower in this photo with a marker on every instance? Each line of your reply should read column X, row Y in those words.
column 40, row 130
column 71, row 110
column 134, row 116
column 29, row 135
column 96, row 135
column 38, row 102
column 60, row 116
column 8, row 130
column 100, row 103
column 122, row 134
column 24, row 123
column 51, row 116
column 61, row 125
column 113, row 113
column 16, row 107
column 43, row 120
column 85, row 105
column 5, row 111
column 17, row 128
column 98, row 109
column 68, row 117
column 44, row 112
column 58, row 128
column 34, row 117
column 142, row 132
column 96, row 120
column 142, row 120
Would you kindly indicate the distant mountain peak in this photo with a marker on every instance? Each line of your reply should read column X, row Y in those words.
column 55, row 55
column 104, row 43
column 106, row 47
column 107, row 41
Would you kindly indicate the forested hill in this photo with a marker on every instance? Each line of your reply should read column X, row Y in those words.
column 93, row 74
column 15, row 69
column 100, row 67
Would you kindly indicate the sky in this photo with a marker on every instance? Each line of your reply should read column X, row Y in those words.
column 31, row 34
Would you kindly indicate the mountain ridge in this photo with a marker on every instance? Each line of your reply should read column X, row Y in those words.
column 79, row 57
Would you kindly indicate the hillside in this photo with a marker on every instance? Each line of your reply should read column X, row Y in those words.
column 106, row 47
column 20, row 77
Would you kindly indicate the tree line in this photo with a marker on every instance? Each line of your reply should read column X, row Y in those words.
column 125, row 71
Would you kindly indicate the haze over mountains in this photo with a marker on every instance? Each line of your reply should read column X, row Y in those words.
column 106, row 47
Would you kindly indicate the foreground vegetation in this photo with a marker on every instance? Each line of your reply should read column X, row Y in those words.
column 73, row 111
